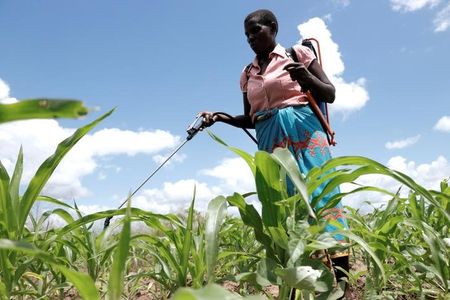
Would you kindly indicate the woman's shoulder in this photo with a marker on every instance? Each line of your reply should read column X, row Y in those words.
column 299, row 48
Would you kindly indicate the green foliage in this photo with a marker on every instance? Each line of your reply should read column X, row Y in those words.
column 210, row 292
column 404, row 246
column 15, row 209
column 42, row 109
column 291, row 229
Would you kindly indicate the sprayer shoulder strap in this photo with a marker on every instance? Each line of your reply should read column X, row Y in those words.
column 320, row 110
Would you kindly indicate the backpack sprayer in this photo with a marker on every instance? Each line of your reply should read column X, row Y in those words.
column 192, row 130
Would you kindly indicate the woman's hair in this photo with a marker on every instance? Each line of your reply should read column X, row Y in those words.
column 264, row 16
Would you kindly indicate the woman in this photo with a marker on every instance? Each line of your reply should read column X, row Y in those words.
column 275, row 102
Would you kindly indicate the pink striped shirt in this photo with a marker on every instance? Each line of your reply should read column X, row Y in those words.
column 275, row 88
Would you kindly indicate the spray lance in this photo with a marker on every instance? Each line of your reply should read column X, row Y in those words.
column 192, row 130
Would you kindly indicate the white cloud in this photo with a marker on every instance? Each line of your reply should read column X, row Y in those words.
column 403, row 143
column 412, row 5
column 39, row 139
column 114, row 141
column 176, row 196
column 179, row 158
column 350, row 96
column 235, row 175
column 231, row 174
column 4, row 93
column 443, row 124
column 429, row 175
column 442, row 20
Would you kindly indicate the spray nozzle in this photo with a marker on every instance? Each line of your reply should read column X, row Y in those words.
column 195, row 126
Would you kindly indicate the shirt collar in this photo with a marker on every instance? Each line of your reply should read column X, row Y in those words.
column 278, row 50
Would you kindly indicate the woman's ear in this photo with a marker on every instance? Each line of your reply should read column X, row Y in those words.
column 274, row 28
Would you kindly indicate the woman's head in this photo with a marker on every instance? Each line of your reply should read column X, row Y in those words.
column 261, row 27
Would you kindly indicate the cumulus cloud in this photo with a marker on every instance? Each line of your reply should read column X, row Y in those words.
column 443, row 124
column 442, row 20
column 228, row 176
column 4, row 93
column 350, row 96
column 178, row 158
column 234, row 174
column 403, row 143
column 412, row 5
column 429, row 175
column 176, row 196
column 39, row 139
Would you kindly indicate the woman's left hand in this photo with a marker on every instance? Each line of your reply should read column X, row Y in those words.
column 300, row 73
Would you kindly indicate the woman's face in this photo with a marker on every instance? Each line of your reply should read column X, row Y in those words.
column 260, row 37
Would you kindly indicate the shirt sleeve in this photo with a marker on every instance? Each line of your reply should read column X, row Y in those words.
column 304, row 54
column 243, row 80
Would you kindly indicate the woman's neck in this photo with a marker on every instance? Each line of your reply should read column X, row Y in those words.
column 265, row 55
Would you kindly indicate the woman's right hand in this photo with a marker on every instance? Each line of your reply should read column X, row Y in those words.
column 209, row 118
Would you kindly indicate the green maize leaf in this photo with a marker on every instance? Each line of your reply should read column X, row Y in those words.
column 134, row 212
column 389, row 211
column 42, row 109
column 302, row 277
column 285, row 159
column 3, row 294
column 296, row 248
column 163, row 253
column 266, row 267
column 279, row 236
column 323, row 242
column 48, row 166
column 337, row 197
column 6, row 206
column 381, row 169
column 313, row 182
column 247, row 157
column 217, row 209
column 210, row 292
column 245, row 255
column 366, row 248
column 268, row 187
column 61, row 213
column 187, row 243
column 251, row 217
column 116, row 278
column 7, row 270
column 253, row 278
column 84, row 284
column 390, row 225
column 15, row 183
column 342, row 178
column 438, row 256
column 53, row 201
column 165, row 268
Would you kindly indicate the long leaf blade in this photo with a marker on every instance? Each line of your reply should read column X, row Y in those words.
column 42, row 109
column 48, row 166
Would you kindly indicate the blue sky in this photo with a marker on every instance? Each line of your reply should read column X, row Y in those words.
column 160, row 62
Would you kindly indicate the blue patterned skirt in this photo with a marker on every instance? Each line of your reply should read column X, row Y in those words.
column 298, row 129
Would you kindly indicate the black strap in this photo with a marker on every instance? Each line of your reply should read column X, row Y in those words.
column 247, row 70
column 292, row 54
column 310, row 45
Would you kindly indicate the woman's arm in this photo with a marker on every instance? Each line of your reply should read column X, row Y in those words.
column 240, row 121
column 321, row 86
column 313, row 79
